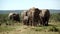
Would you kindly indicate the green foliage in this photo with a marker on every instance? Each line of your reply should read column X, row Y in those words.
column 54, row 29
column 55, row 17
column 3, row 18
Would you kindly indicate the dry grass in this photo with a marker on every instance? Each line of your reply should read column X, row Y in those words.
column 18, row 28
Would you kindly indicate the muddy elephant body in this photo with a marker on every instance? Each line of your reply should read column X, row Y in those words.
column 14, row 16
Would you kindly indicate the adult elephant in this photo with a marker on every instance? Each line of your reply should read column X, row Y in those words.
column 25, row 18
column 44, row 16
column 14, row 16
column 37, row 16
column 33, row 14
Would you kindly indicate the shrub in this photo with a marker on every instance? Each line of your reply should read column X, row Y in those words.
column 37, row 29
column 54, row 29
column 55, row 17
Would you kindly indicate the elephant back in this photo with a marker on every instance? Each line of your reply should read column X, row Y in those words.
column 44, row 13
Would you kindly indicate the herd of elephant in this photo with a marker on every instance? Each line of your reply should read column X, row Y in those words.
column 33, row 17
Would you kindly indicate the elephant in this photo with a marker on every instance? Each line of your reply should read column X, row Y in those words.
column 25, row 18
column 14, row 16
column 38, row 16
column 30, row 16
column 44, row 16
column 33, row 14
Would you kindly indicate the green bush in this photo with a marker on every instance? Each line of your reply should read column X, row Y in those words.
column 55, row 17
column 53, row 29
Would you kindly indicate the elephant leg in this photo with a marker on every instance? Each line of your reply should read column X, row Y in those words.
column 46, row 22
column 24, row 22
column 42, row 21
column 31, row 23
column 37, row 23
column 27, row 22
column 34, row 22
